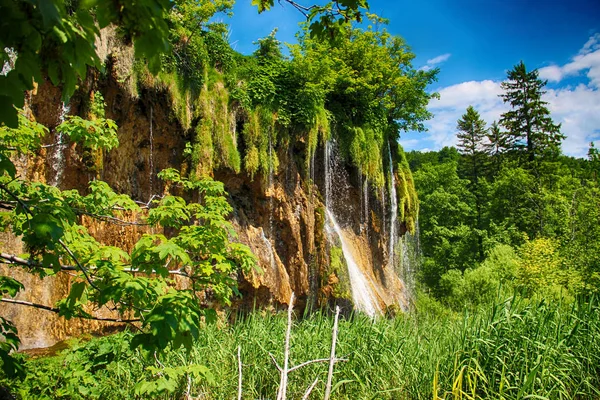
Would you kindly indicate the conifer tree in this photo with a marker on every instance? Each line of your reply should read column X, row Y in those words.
column 594, row 160
column 471, row 135
column 530, row 127
column 498, row 143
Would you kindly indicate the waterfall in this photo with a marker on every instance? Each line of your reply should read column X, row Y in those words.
column 269, row 247
column 366, row 206
column 58, row 157
column 411, row 254
column 362, row 294
column 327, row 158
column 271, row 189
column 394, row 215
column 150, row 177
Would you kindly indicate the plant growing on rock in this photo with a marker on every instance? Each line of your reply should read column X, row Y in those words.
column 138, row 285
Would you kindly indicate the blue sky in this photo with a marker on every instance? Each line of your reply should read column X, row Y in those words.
column 474, row 43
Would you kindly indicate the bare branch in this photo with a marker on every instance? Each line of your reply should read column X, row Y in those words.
column 282, row 394
column 310, row 389
column 332, row 357
column 239, row 373
column 275, row 362
column 56, row 310
column 315, row 361
column 12, row 259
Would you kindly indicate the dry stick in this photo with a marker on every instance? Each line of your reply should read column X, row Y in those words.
column 310, row 389
column 276, row 365
column 12, row 259
column 332, row 358
column 312, row 362
column 239, row 373
column 286, row 353
column 56, row 310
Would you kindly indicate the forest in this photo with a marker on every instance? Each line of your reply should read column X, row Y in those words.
column 499, row 299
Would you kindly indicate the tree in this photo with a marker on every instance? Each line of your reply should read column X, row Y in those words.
column 529, row 124
column 445, row 217
column 56, row 38
column 498, row 143
column 594, row 160
column 471, row 135
column 137, row 285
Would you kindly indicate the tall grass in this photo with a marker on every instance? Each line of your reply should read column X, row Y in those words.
column 512, row 349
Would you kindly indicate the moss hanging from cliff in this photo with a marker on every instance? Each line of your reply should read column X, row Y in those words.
column 260, row 137
column 215, row 144
column 365, row 148
column 321, row 128
column 408, row 202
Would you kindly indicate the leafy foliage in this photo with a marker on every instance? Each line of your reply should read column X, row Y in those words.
column 510, row 348
column 199, row 249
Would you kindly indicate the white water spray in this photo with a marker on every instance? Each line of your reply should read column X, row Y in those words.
column 58, row 156
column 269, row 247
column 362, row 294
column 394, row 215
column 151, row 155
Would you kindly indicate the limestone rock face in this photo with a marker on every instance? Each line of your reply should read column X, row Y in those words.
column 281, row 217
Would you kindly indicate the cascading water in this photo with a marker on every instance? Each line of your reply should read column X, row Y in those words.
column 394, row 214
column 362, row 294
column 151, row 161
column 366, row 206
column 58, row 157
column 269, row 247
column 411, row 254
column 272, row 193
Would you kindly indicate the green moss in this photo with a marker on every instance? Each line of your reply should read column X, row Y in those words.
column 218, row 122
column 260, row 136
column 408, row 202
column 337, row 266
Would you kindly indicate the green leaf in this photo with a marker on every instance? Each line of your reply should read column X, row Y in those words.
column 10, row 286
column 8, row 114
column 6, row 165
column 46, row 227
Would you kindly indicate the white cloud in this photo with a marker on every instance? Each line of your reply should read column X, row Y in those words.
column 432, row 62
column 576, row 108
column 439, row 59
column 588, row 59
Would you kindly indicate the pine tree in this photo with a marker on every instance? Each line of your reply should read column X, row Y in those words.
column 498, row 143
column 594, row 160
column 529, row 124
column 471, row 135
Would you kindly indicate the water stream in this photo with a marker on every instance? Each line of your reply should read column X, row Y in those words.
column 151, row 174
column 269, row 247
column 394, row 214
column 362, row 294
column 58, row 156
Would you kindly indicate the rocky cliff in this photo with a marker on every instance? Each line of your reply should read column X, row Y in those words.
column 307, row 216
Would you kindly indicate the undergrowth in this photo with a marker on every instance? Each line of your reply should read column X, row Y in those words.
column 513, row 349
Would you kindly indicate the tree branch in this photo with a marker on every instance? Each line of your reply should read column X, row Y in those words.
column 319, row 360
column 12, row 259
column 56, row 310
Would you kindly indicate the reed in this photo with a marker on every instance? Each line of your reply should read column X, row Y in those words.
column 511, row 349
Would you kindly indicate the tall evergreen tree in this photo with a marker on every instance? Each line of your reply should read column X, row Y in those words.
column 594, row 160
column 498, row 143
column 471, row 135
column 529, row 124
